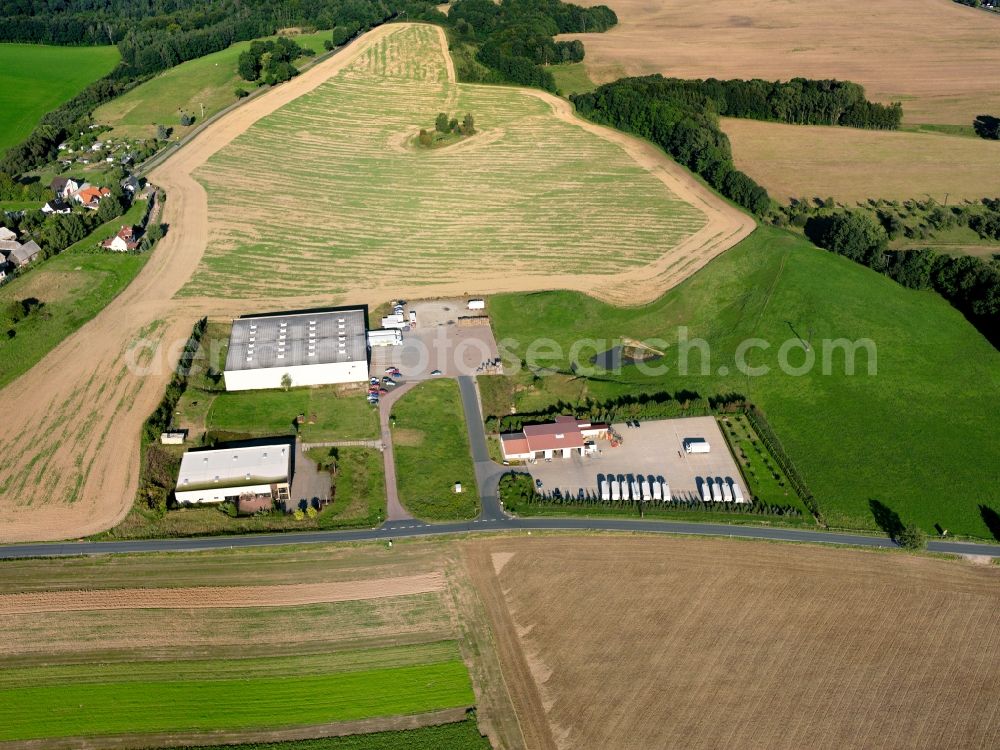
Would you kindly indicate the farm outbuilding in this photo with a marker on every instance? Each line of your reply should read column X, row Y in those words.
column 311, row 348
column 235, row 474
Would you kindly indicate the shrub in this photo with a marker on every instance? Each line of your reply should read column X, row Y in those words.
column 911, row 536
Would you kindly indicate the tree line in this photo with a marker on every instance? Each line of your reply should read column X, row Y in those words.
column 969, row 284
column 514, row 37
column 686, row 130
column 800, row 101
column 270, row 61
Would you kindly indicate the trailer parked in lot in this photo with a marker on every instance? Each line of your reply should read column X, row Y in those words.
column 706, row 490
column 616, row 491
column 636, row 494
column 647, row 491
column 696, row 445
column 738, row 493
column 727, row 493
column 666, row 493
column 657, row 490
column 605, row 490
column 716, row 493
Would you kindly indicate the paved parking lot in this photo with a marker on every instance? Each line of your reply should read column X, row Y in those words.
column 655, row 448
column 438, row 342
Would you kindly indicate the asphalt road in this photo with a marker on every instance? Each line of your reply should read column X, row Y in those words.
column 492, row 519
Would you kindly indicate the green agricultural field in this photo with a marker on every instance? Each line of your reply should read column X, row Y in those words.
column 36, row 78
column 431, row 447
column 172, row 696
column 210, row 81
column 73, row 286
column 349, row 199
column 337, row 417
column 916, row 436
column 461, row 735
column 572, row 78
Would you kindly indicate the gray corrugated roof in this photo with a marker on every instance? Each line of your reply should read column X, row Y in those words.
column 309, row 338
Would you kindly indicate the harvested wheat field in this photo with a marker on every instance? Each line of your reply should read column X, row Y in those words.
column 795, row 161
column 534, row 199
column 71, row 437
column 935, row 56
column 639, row 643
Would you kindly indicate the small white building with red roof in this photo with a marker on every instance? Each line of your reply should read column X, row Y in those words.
column 123, row 241
column 559, row 439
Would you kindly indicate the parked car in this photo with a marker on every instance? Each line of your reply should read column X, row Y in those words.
column 435, row 372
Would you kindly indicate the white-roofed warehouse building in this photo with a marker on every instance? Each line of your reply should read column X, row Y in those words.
column 240, row 475
column 311, row 348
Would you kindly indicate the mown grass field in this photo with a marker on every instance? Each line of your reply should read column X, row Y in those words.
column 431, row 448
column 82, row 700
column 348, row 199
column 461, row 735
column 915, row 436
column 73, row 286
column 37, row 78
column 210, row 81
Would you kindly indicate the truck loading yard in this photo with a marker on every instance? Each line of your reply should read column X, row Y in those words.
column 649, row 454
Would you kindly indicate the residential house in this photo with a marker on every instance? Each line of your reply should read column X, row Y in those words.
column 123, row 241
column 24, row 254
column 56, row 206
column 90, row 196
column 131, row 184
column 6, row 234
column 64, row 187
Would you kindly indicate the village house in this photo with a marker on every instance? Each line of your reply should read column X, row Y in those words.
column 6, row 235
column 64, row 187
column 22, row 255
column 56, row 206
column 90, row 196
column 123, row 241
column 558, row 439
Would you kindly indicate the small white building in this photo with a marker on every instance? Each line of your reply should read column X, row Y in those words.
column 229, row 474
column 311, row 348
column 385, row 337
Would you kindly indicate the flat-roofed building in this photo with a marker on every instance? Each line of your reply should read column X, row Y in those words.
column 311, row 348
column 238, row 475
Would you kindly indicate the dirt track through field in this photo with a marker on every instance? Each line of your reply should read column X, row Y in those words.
column 204, row 597
column 71, row 424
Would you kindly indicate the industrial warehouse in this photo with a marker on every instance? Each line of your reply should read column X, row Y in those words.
column 319, row 347
column 253, row 478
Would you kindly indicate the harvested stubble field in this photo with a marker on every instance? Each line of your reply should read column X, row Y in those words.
column 931, row 55
column 703, row 644
column 531, row 197
column 374, row 634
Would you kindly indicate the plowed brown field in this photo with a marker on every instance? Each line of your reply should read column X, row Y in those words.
column 643, row 643
column 220, row 596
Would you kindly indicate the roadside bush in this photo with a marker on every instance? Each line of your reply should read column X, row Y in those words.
column 911, row 536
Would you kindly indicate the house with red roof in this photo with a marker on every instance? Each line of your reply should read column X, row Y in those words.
column 559, row 439
column 123, row 241
column 90, row 196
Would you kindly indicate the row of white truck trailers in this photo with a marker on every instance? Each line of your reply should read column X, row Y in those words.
column 633, row 486
column 719, row 490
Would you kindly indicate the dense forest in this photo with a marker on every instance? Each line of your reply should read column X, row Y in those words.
column 514, row 38
column 800, row 101
column 686, row 128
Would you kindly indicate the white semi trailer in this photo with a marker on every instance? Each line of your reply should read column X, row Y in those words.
column 706, row 490
column 605, row 490
column 716, row 492
column 636, row 494
column 657, row 490
column 727, row 494
column 666, row 492
column 616, row 492
column 738, row 493
column 647, row 491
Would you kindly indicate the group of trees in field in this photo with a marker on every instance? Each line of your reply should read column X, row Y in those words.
column 987, row 126
column 271, row 61
column 800, row 101
column 515, row 37
column 687, row 130
column 970, row 284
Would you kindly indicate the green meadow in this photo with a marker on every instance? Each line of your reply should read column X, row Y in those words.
column 37, row 78
column 208, row 81
column 916, row 436
column 431, row 447
column 79, row 700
